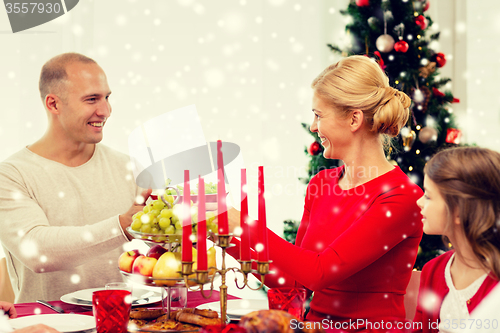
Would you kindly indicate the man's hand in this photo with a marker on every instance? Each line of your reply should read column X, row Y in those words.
column 126, row 219
column 8, row 309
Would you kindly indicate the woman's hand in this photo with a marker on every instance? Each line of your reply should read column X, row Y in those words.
column 8, row 309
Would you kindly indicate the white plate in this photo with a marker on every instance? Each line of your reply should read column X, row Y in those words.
column 84, row 297
column 64, row 322
column 238, row 307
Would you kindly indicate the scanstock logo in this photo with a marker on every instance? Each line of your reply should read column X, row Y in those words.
column 28, row 14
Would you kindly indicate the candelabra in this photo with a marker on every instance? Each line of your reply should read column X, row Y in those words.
column 203, row 277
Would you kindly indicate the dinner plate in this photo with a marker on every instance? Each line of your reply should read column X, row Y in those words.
column 237, row 308
column 84, row 297
column 64, row 322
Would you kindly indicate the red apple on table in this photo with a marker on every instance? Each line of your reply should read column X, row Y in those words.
column 126, row 260
column 144, row 265
column 156, row 252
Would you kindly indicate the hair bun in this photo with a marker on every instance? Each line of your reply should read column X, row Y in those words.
column 392, row 111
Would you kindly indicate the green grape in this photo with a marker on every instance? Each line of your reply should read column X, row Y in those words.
column 212, row 227
column 194, row 230
column 164, row 222
column 170, row 199
column 194, row 217
column 155, row 212
column 155, row 221
column 158, row 205
column 138, row 215
column 146, row 209
column 178, row 225
column 136, row 225
column 154, row 231
column 146, row 218
column 167, row 213
column 146, row 228
column 170, row 230
column 178, row 231
column 210, row 217
column 175, row 219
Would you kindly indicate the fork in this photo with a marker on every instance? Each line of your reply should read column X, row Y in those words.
column 53, row 307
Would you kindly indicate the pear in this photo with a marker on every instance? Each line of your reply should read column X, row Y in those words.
column 167, row 267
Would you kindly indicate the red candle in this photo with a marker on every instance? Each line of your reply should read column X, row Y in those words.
column 245, row 233
column 202, row 227
column 263, row 255
column 187, row 252
column 221, row 193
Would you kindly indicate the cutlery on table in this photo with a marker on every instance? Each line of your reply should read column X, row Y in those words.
column 53, row 307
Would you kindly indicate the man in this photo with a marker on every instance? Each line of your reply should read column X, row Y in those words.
column 66, row 200
column 10, row 312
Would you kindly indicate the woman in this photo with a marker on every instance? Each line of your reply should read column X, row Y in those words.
column 359, row 235
column 461, row 202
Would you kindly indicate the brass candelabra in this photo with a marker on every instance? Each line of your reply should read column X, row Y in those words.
column 203, row 277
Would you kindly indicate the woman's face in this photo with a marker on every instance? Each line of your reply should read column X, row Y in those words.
column 332, row 129
column 433, row 210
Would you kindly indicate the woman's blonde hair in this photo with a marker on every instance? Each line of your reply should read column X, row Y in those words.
column 358, row 83
column 468, row 179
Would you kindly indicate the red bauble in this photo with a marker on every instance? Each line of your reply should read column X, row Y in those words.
column 453, row 135
column 427, row 4
column 421, row 21
column 439, row 59
column 362, row 3
column 314, row 148
column 401, row 46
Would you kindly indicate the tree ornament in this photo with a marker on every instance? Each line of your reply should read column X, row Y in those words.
column 408, row 136
column 373, row 22
column 421, row 97
column 401, row 46
column 362, row 3
column 314, row 148
column 437, row 93
column 385, row 43
column 439, row 59
column 455, row 100
column 453, row 135
column 427, row 4
column 427, row 70
column 421, row 21
column 427, row 134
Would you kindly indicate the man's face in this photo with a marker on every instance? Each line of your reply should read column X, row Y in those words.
column 84, row 106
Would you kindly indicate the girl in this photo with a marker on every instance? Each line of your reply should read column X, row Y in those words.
column 462, row 203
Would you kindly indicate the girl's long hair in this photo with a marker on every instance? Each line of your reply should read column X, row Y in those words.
column 468, row 178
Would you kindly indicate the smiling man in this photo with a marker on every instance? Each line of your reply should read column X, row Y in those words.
column 66, row 200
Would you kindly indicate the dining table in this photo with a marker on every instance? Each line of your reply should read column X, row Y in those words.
column 194, row 299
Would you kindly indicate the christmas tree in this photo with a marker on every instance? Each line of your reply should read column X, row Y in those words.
column 393, row 33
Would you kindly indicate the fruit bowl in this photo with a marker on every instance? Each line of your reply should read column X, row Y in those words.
column 156, row 282
column 155, row 238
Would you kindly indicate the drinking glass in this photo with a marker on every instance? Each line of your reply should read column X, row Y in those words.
column 291, row 300
column 111, row 307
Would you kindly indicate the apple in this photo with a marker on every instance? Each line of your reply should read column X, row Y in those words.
column 167, row 267
column 156, row 252
column 144, row 265
column 126, row 260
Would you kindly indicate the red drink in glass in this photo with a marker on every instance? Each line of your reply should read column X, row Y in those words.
column 111, row 310
column 291, row 300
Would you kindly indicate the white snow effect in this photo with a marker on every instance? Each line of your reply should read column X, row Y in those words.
column 128, row 299
column 199, row 9
column 430, row 300
column 259, row 247
column 29, row 248
column 139, row 200
column 388, row 214
column 297, row 7
column 20, row 233
column 214, row 77
column 259, row 19
column 185, row 2
column 16, row 195
column 157, row 22
column 331, row 10
column 271, row 149
column 11, row 75
column 272, row 65
column 297, row 47
column 281, row 280
column 192, row 237
column 405, row 236
column 37, row 311
column 233, row 22
column 460, row 27
column 114, row 231
column 43, row 258
column 77, row 30
column 121, row 20
column 237, row 231
column 434, row 45
column 61, row 194
column 277, row 3
column 75, row 279
column 87, row 236
column 386, row 248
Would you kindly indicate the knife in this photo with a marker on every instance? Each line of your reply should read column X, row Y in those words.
column 47, row 304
